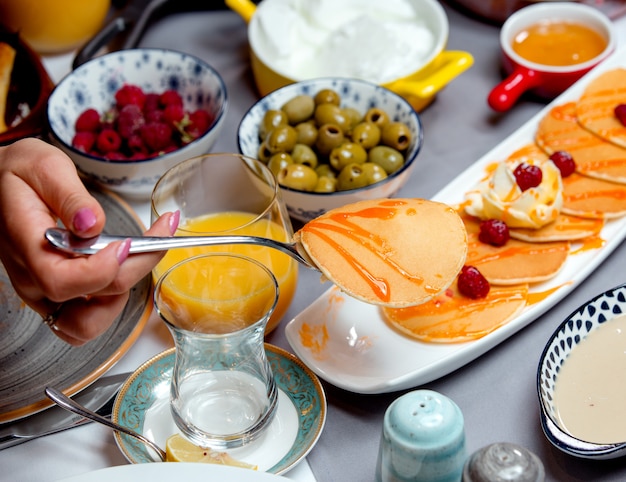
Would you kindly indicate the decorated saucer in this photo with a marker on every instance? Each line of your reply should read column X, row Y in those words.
column 143, row 405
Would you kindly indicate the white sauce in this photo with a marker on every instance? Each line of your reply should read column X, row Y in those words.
column 590, row 389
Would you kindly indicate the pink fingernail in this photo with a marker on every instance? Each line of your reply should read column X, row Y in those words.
column 123, row 251
column 84, row 220
column 174, row 220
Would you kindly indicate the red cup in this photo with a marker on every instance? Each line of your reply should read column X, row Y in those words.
column 545, row 81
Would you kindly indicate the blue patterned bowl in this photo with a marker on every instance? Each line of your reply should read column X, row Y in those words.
column 358, row 94
column 94, row 84
column 572, row 331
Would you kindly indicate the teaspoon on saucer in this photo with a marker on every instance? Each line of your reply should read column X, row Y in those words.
column 67, row 403
column 65, row 241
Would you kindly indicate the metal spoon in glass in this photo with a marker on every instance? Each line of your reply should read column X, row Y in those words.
column 70, row 405
column 65, row 241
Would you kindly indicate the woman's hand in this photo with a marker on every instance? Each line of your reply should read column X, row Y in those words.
column 79, row 297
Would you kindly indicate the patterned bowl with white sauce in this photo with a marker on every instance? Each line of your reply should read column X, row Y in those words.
column 93, row 85
column 570, row 333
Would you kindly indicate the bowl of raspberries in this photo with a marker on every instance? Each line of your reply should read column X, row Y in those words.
column 127, row 117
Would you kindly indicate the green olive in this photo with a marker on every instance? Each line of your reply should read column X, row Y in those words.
column 279, row 161
column 303, row 154
column 325, row 170
column 332, row 114
column 264, row 153
column 351, row 176
column 347, row 153
column 271, row 119
column 297, row 176
column 329, row 136
column 386, row 157
column 299, row 109
column 396, row 135
column 327, row 96
column 326, row 184
column 353, row 115
column 373, row 172
column 307, row 133
column 367, row 134
column 281, row 138
column 377, row 116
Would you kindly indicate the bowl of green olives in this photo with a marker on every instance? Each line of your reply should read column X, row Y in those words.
column 332, row 142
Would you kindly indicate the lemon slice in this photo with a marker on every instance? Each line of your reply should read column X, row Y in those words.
column 179, row 449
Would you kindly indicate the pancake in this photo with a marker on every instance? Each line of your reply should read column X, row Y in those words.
column 392, row 252
column 595, row 108
column 560, row 130
column 565, row 228
column 587, row 197
column 517, row 262
column 454, row 318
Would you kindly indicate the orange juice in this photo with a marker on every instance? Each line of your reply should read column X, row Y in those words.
column 558, row 43
column 216, row 295
column 51, row 26
column 284, row 268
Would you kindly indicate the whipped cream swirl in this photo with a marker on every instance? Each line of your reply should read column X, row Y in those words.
column 499, row 196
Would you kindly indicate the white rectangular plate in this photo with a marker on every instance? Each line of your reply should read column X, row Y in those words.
column 348, row 343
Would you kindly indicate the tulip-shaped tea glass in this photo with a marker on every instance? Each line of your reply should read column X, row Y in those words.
column 216, row 306
column 229, row 194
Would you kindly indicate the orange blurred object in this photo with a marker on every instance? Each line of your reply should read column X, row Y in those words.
column 53, row 26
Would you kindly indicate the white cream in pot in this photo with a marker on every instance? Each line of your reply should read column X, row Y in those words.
column 373, row 40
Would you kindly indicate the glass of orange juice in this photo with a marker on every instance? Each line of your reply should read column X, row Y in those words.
column 228, row 194
column 223, row 393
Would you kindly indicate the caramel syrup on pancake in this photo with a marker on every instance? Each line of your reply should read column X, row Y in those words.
column 347, row 227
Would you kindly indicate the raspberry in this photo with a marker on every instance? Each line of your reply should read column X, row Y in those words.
column 170, row 97
column 527, row 176
column 130, row 94
column 136, row 145
column 173, row 113
column 152, row 102
column 84, row 141
column 494, row 232
column 620, row 113
column 156, row 135
column 108, row 140
column 472, row 283
column 199, row 122
column 564, row 161
column 155, row 116
column 88, row 121
column 129, row 120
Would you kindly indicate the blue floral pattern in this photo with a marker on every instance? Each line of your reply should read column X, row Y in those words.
column 93, row 85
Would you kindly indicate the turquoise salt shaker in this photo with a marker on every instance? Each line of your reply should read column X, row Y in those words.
column 423, row 440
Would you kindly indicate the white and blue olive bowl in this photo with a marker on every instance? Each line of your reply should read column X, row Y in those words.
column 572, row 331
column 361, row 95
column 93, row 85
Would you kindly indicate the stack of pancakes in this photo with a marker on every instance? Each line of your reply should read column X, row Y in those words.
column 589, row 130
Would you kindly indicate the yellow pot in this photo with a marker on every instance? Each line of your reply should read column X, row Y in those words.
column 51, row 26
column 420, row 87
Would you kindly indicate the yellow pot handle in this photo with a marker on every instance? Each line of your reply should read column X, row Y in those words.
column 245, row 8
column 451, row 64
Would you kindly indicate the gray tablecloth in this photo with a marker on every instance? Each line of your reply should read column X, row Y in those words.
column 497, row 392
